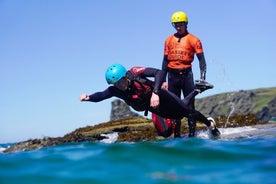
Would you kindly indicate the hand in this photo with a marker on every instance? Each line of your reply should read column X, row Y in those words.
column 84, row 97
column 154, row 101
column 165, row 85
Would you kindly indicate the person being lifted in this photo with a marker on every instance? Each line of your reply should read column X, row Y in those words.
column 142, row 94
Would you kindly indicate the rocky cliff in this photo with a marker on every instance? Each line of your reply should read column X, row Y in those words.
column 120, row 110
column 261, row 102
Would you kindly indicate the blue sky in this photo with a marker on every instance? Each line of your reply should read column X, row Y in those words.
column 54, row 50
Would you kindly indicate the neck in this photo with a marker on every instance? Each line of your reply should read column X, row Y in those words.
column 180, row 35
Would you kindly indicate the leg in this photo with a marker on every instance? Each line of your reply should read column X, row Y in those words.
column 196, row 115
column 209, row 122
column 163, row 126
column 189, row 94
column 174, row 86
column 190, row 98
column 203, row 85
column 177, row 128
column 199, row 89
column 173, row 107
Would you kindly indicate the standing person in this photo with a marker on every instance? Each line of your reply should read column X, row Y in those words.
column 179, row 51
column 142, row 94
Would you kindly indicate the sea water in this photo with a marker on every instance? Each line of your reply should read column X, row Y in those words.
column 194, row 160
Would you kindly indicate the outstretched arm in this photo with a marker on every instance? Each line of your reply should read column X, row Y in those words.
column 100, row 96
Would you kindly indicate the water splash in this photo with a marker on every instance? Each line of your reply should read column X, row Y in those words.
column 221, row 80
column 110, row 138
column 232, row 109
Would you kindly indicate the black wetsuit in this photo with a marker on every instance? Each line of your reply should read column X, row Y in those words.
column 170, row 106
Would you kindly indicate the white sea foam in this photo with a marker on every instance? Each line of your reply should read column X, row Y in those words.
column 202, row 134
column 111, row 137
column 2, row 149
column 237, row 133
column 230, row 133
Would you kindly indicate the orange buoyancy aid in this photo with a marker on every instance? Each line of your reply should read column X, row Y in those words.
column 181, row 51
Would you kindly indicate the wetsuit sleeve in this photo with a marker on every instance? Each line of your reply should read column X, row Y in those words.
column 165, row 66
column 202, row 65
column 158, row 77
column 108, row 93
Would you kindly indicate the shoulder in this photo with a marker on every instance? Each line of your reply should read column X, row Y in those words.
column 113, row 91
column 193, row 37
column 195, row 41
column 169, row 38
column 137, row 70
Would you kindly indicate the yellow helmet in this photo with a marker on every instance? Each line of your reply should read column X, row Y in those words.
column 179, row 17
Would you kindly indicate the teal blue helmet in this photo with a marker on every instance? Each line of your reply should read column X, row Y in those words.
column 114, row 73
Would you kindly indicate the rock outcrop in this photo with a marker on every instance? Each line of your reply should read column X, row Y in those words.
column 120, row 110
column 235, row 109
column 128, row 129
column 261, row 102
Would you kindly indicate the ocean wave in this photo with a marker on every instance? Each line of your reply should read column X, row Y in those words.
column 182, row 160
